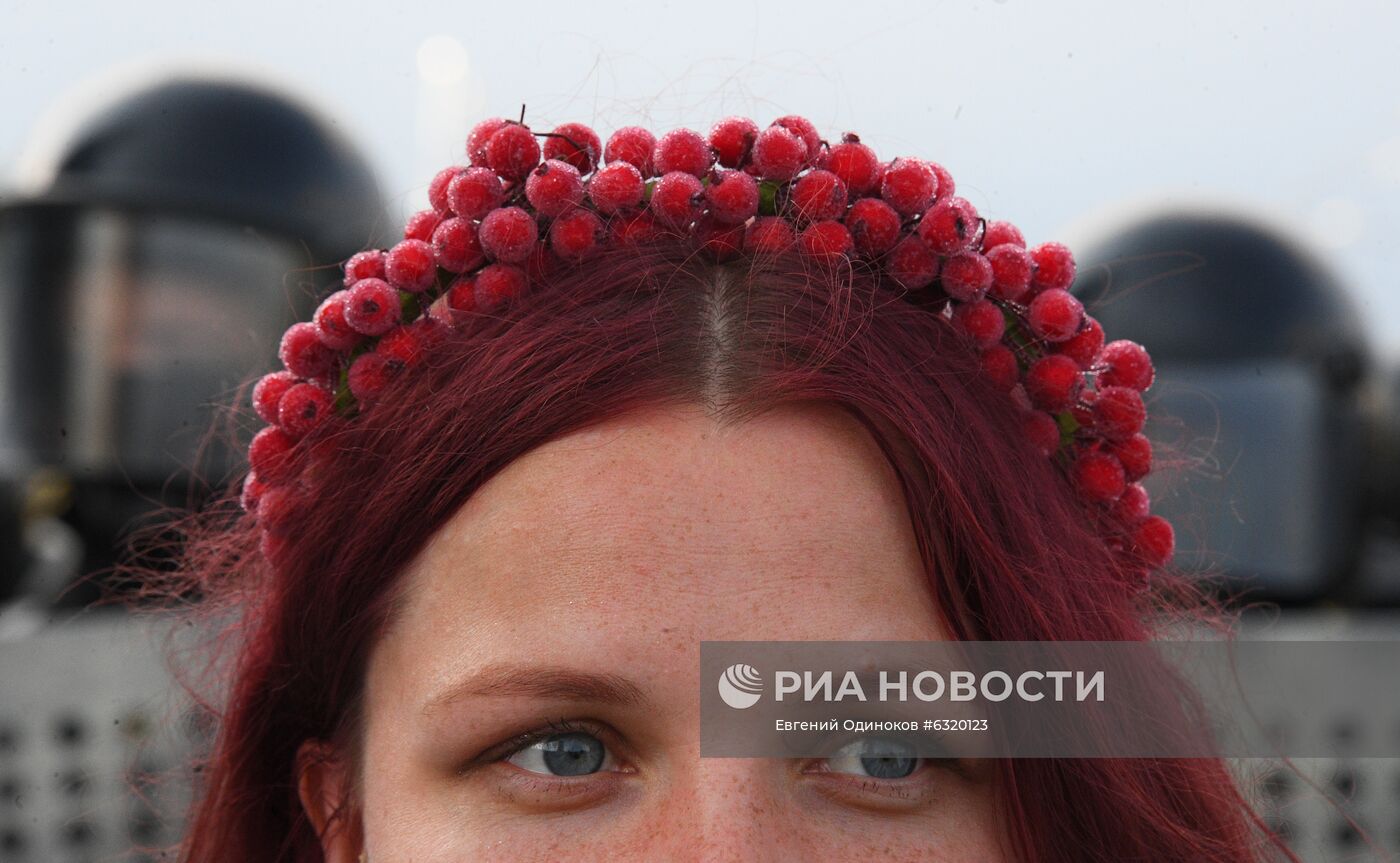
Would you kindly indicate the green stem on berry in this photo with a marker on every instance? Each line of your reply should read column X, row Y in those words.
column 409, row 309
column 647, row 190
column 768, row 198
column 1068, row 426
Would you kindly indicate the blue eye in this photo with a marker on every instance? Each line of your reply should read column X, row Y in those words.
column 573, row 753
column 876, row 757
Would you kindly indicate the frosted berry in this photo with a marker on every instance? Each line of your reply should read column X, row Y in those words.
column 554, row 187
column 909, row 185
column 818, row 196
column 513, row 152
column 367, row 377
column 268, row 391
column 949, row 226
column 420, row 225
column 912, row 263
column 615, row 187
column 1040, row 430
column 805, row 131
column 1135, row 453
column 456, row 247
column 1155, row 541
column 778, row 154
column 479, row 135
column 998, row 232
column 475, row 192
column 460, row 296
column 731, row 139
column 769, row 234
column 634, row 145
column 497, row 284
column 732, row 196
column 364, row 265
column 1055, row 315
column 576, row 233
column 946, row 186
column 676, row 199
column 683, row 150
column 1127, row 364
column 999, row 362
column 1083, row 409
column 508, row 233
column 1083, row 347
column 437, row 189
column 411, row 266
column 303, row 353
column 1098, row 476
column 270, row 455
column 1053, row 382
column 372, row 308
column 1054, row 267
column 1119, row 412
column 576, row 144
column 720, row 240
column 874, row 226
column 1011, row 271
column 966, row 276
column 303, row 408
column 855, row 163
column 1133, row 506
column 826, row 241
column 335, row 332
column 401, row 347
column 634, row 228
column 982, row 320
column 253, row 489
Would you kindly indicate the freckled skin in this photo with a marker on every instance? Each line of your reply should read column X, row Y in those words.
column 619, row 549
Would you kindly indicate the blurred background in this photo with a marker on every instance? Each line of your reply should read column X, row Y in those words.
column 179, row 183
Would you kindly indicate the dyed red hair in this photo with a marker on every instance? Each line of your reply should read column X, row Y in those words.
column 1006, row 545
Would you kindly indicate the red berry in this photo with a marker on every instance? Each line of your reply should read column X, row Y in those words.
column 980, row 319
column 912, row 263
column 1053, row 382
column 303, row 408
column 1135, row 453
column 575, row 144
column 999, row 362
column 364, row 265
column 946, row 186
column 513, row 152
column 437, row 189
column 1133, row 506
column 475, row 192
column 1083, row 347
column 479, row 135
column 616, row 187
column 1126, row 364
column 554, row 188
column 826, row 241
column 576, row 233
column 368, row 375
column 804, row 130
column 998, row 233
column 634, row 145
column 909, row 185
column 733, row 196
column 732, row 139
column 411, row 266
column 508, row 233
column 401, row 347
column 949, row 226
column 497, row 284
column 722, row 241
column 631, row 229
column 1083, row 409
column 778, row 154
column 1098, row 476
column 966, row 276
column 268, row 391
column 818, row 196
column 1055, row 315
column 253, row 489
column 769, row 235
column 456, row 247
column 683, row 150
column 303, row 352
column 461, row 294
column 1011, row 271
column 1054, row 267
column 1119, row 412
column 1155, row 541
column 874, row 225
column 372, row 308
column 1041, row 431
column 676, row 199
column 421, row 225
column 856, row 164
column 335, row 332
column 270, row 455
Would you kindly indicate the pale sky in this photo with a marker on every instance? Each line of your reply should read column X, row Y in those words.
column 1050, row 114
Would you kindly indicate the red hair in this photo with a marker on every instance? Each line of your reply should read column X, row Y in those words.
column 1007, row 547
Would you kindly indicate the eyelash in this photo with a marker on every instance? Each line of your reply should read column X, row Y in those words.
column 506, row 748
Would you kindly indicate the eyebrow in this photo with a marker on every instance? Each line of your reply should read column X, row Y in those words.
column 556, row 683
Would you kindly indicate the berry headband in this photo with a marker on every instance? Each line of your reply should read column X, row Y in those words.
column 520, row 210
